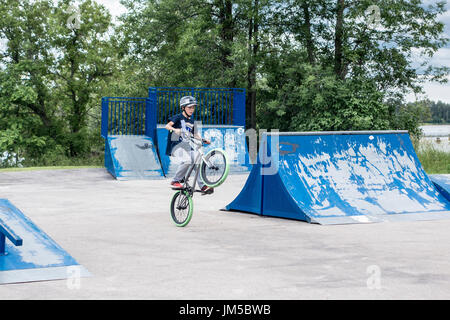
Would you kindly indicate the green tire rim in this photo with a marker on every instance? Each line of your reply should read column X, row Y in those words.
column 190, row 212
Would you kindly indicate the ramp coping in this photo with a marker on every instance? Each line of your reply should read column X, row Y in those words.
column 213, row 126
column 311, row 133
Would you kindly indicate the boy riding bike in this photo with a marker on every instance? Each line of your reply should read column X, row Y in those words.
column 176, row 147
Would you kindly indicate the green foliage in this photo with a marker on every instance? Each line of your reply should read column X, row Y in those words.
column 181, row 43
column 311, row 99
column 52, row 78
column 409, row 116
column 440, row 112
column 331, row 72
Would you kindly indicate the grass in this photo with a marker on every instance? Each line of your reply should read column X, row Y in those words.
column 433, row 160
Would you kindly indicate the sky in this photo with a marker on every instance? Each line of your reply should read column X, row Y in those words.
column 437, row 91
column 114, row 6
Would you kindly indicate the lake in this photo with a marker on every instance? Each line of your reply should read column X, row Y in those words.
column 437, row 135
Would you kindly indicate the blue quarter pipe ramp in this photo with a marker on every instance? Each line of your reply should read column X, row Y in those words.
column 340, row 178
column 129, row 157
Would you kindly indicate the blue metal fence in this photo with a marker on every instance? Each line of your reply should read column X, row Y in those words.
column 127, row 116
column 216, row 106
column 139, row 116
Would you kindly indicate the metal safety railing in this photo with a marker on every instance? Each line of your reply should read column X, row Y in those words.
column 139, row 116
column 216, row 106
column 127, row 116
column 7, row 232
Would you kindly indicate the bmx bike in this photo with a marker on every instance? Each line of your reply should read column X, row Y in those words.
column 213, row 170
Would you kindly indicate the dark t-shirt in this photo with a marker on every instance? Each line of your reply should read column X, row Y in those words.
column 173, row 139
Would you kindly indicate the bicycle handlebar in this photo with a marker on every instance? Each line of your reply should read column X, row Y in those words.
column 188, row 135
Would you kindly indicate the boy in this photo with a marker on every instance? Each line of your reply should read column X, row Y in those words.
column 176, row 147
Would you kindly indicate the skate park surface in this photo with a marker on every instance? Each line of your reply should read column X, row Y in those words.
column 121, row 231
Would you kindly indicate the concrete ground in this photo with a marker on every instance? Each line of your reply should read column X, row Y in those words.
column 121, row 231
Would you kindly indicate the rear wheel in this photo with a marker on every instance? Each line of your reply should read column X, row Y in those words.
column 181, row 208
column 215, row 170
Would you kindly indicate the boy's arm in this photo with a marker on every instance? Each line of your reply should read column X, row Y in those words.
column 170, row 127
column 197, row 136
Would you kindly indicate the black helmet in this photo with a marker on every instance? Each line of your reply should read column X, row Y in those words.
column 187, row 101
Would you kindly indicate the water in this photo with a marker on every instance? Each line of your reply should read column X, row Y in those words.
column 437, row 136
column 436, row 130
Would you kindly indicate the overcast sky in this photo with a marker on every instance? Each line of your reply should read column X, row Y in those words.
column 113, row 6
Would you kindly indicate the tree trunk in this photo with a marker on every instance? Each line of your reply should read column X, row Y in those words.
column 253, row 48
column 338, row 40
column 227, row 34
column 307, row 31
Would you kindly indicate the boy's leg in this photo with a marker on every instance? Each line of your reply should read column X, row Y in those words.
column 184, row 161
column 181, row 172
column 200, row 182
column 203, row 187
column 194, row 155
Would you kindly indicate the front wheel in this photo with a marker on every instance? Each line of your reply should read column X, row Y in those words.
column 181, row 208
column 214, row 170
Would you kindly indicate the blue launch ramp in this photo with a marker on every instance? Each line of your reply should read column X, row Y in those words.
column 226, row 137
column 131, row 157
column 29, row 254
column 340, row 178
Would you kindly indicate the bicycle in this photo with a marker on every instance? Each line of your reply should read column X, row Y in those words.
column 213, row 170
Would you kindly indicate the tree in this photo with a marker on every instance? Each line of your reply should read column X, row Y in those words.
column 28, row 123
column 179, row 43
column 51, row 77
column 83, row 63
column 335, row 70
column 440, row 112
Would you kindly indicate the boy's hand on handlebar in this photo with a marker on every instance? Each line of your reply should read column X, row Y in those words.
column 177, row 131
column 206, row 141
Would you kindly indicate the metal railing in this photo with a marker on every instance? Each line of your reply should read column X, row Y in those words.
column 127, row 116
column 7, row 232
column 216, row 106
column 139, row 116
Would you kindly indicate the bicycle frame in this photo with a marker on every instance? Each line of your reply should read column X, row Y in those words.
column 195, row 166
